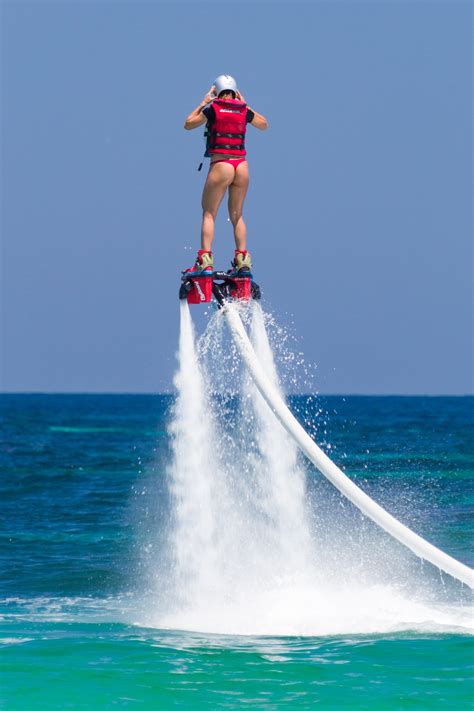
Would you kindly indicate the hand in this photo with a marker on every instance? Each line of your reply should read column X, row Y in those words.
column 210, row 96
column 239, row 96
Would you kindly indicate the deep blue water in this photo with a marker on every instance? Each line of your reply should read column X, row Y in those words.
column 76, row 511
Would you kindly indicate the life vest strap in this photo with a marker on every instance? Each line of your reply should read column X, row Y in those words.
column 228, row 146
column 228, row 135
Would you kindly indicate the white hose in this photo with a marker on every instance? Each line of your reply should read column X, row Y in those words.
column 382, row 518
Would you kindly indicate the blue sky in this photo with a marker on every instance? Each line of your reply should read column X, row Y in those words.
column 359, row 212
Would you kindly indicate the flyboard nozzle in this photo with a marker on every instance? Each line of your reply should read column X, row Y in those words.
column 223, row 286
column 218, row 294
column 196, row 289
column 185, row 288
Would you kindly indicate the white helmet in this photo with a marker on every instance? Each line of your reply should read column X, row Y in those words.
column 225, row 82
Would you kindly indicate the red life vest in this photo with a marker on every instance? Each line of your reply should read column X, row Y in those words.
column 226, row 133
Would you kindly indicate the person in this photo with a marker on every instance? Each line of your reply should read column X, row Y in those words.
column 227, row 115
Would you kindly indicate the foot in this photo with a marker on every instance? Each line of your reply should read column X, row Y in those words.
column 242, row 263
column 203, row 265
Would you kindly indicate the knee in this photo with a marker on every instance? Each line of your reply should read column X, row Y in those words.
column 235, row 216
column 209, row 215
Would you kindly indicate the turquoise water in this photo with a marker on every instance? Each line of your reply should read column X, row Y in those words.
column 85, row 513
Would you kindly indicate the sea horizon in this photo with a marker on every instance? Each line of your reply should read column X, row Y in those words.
column 172, row 393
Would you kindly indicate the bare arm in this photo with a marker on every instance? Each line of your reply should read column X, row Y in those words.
column 196, row 118
column 258, row 120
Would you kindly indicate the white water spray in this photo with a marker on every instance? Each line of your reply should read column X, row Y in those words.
column 280, row 477
column 245, row 558
column 191, row 473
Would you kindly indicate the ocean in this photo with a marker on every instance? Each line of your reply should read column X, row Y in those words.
column 133, row 577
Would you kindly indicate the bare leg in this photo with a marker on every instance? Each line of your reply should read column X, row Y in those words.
column 237, row 193
column 218, row 180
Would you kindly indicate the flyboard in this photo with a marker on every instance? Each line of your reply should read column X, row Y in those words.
column 226, row 287
column 199, row 289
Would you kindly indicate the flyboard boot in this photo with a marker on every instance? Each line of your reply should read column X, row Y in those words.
column 201, row 282
column 242, row 263
column 196, row 284
column 238, row 281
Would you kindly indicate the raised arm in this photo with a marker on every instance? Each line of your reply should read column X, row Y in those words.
column 258, row 120
column 196, row 118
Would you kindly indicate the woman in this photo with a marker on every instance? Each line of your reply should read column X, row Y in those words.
column 227, row 115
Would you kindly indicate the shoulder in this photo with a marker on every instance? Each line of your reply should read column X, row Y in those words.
column 208, row 111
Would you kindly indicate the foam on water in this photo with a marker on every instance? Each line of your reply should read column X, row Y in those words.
column 250, row 551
